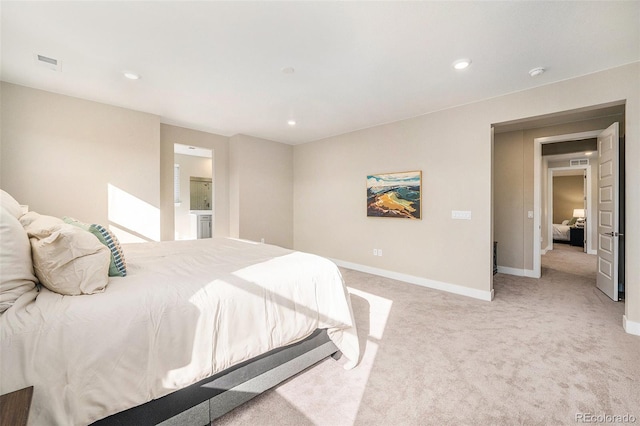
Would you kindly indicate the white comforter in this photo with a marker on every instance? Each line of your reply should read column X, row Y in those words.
column 561, row 232
column 186, row 310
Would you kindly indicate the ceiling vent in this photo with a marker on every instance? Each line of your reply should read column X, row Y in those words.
column 47, row 62
column 579, row 162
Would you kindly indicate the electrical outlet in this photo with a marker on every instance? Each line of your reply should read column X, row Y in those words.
column 262, row 240
column 379, row 252
column 375, row 252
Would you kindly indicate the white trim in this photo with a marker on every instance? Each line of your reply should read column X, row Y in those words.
column 517, row 272
column 537, row 204
column 424, row 282
column 631, row 327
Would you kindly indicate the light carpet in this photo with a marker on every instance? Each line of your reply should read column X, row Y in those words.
column 544, row 352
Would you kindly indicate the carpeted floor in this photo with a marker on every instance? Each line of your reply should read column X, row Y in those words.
column 548, row 351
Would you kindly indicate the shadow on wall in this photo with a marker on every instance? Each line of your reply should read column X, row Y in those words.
column 130, row 218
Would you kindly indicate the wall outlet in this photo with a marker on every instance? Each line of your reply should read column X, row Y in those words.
column 530, row 214
column 375, row 252
column 379, row 252
column 262, row 240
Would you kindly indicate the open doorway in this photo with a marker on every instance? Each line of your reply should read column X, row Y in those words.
column 193, row 192
column 570, row 204
column 522, row 215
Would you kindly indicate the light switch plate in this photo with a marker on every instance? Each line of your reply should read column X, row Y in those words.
column 530, row 214
column 461, row 214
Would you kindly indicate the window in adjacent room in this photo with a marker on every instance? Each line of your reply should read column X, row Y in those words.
column 176, row 184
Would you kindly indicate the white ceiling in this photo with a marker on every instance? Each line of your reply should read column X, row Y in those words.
column 216, row 66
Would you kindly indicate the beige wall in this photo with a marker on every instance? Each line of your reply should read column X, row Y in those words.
column 509, row 213
column 190, row 166
column 219, row 145
column 261, row 190
column 330, row 198
column 60, row 154
column 568, row 194
column 453, row 149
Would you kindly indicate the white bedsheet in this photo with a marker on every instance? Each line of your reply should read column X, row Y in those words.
column 186, row 310
column 561, row 232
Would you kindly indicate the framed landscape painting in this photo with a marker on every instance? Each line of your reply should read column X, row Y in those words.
column 395, row 195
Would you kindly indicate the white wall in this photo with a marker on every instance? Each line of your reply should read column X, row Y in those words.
column 61, row 155
column 453, row 149
column 219, row 145
column 261, row 190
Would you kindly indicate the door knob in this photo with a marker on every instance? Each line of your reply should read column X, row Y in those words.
column 613, row 234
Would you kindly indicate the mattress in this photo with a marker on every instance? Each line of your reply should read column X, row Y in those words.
column 561, row 232
column 185, row 311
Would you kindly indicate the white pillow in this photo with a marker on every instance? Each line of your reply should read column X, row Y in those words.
column 67, row 259
column 565, row 222
column 16, row 268
column 10, row 203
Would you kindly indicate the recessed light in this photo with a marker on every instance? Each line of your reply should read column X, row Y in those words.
column 288, row 70
column 131, row 75
column 461, row 64
column 588, row 153
column 291, row 123
column 536, row 71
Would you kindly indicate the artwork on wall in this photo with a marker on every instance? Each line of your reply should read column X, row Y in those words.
column 395, row 195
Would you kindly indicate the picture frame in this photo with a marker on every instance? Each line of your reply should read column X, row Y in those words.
column 397, row 194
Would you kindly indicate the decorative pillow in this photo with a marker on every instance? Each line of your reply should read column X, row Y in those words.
column 118, row 266
column 9, row 203
column 16, row 267
column 565, row 222
column 573, row 221
column 66, row 259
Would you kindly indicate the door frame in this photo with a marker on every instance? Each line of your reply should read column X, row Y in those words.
column 589, row 206
column 537, row 184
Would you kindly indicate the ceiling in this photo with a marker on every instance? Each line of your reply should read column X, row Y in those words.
column 218, row 66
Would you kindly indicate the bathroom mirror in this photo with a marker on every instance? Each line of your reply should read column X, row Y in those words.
column 200, row 189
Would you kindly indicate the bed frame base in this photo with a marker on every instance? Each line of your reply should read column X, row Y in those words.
column 211, row 398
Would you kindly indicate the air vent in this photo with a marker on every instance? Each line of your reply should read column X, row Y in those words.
column 47, row 62
column 579, row 162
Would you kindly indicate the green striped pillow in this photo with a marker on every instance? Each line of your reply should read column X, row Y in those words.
column 118, row 266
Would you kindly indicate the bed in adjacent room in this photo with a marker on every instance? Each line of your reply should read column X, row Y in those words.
column 185, row 312
column 561, row 231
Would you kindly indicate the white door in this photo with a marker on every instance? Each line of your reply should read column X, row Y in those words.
column 585, row 206
column 607, row 280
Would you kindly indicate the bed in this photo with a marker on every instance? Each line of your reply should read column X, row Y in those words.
column 189, row 317
column 561, row 232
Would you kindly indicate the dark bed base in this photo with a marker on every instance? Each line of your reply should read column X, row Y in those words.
column 215, row 396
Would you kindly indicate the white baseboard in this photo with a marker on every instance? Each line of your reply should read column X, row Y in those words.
column 518, row 272
column 631, row 327
column 425, row 282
